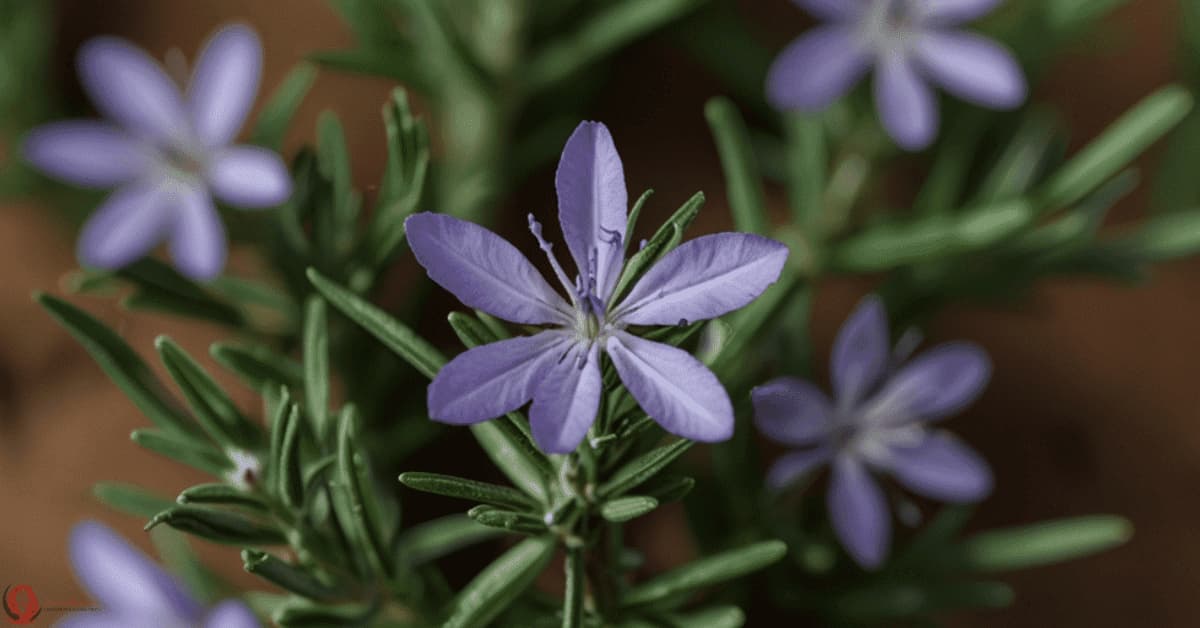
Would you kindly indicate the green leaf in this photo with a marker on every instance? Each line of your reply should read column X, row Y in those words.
column 716, row 617
column 668, row 236
column 301, row 613
column 392, row 333
column 642, row 468
column 610, row 28
column 287, row 576
column 192, row 451
column 161, row 288
column 808, row 165
column 623, row 509
column 706, row 572
column 404, row 177
column 507, row 520
column 500, row 583
column 895, row 600
column 742, row 179
column 1044, row 543
column 1124, row 140
column 213, row 409
column 276, row 116
column 470, row 490
column 221, row 494
column 354, row 477
column 221, row 526
column 316, row 364
column 130, row 499
column 513, row 454
column 259, row 367
column 333, row 162
column 431, row 540
column 290, row 478
column 1164, row 237
column 123, row 365
column 667, row 490
column 1023, row 157
column 576, row 589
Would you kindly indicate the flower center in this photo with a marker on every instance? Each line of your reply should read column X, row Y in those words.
column 890, row 26
column 182, row 159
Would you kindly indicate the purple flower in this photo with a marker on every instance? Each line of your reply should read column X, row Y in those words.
column 136, row 593
column 167, row 153
column 879, row 422
column 559, row 368
column 910, row 43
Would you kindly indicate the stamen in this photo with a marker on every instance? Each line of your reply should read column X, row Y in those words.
column 536, row 228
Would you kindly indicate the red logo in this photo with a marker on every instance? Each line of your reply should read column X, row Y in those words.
column 21, row 604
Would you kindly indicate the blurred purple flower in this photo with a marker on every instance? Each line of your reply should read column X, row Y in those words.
column 166, row 152
column 559, row 368
column 878, row 423
column 135, row 592
column 910, row 43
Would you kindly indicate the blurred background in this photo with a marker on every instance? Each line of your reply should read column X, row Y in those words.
column 1093, row 407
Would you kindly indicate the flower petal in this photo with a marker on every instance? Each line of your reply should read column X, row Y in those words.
column 592, row 203
column 942, row 467
column 704, row 278
column 483, row 270
column 130, row 87
column 790, row 466
column 84, row 152
column 817, row 69
column 565, row 403
column 906, row 105
column 859, row 513
column 832, row 9
column 674, row 388
column 231, row 614
column 792, row 411
column 860, row 352
column 936, row 384
column 224, row 83
column 249, row 176
column 973, row 68
column 130, row 222
column 198, row 243
column 102, row 620
column 123, row 579
column 490, row 380
column 951, row 12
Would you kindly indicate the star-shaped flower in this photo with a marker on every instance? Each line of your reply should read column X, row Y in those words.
column 134, row 592
column 167, row 153
column 910, row 43
column 880, row 422
column 559, row 368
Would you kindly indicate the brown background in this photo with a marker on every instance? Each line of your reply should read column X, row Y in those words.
column 1093, row 407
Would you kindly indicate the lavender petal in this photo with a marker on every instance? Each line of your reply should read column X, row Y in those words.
column 674, row 388
column 128, row 86
column 817, row 69
column 104, row 620
column 832, row 9
column 934, row 385
column 907, row 106
column 953, row 12
column 483, row 270
column 249, row 177
column 973, row 68
column 231, row 614
column 565, row 403
column 704, row 278
column 592, row 203
column 198, row 243
column 860, row 352
column 942, row 467
column 122, row 579
column 493, row 379
column 92, row 154
column 859, row 513
column 792, row 465
column 224, row 83
column 127, row 225
column 792, row 411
